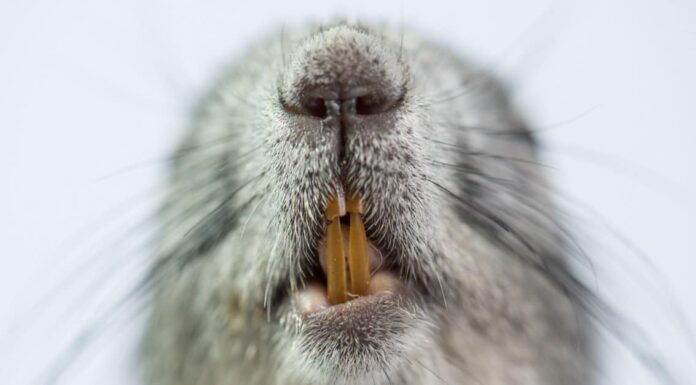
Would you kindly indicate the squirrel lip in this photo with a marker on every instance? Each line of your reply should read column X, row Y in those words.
column 312, row 298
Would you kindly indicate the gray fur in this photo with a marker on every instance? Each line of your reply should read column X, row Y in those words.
column 454, row 197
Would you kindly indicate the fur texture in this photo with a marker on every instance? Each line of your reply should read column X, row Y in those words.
column 455, row 200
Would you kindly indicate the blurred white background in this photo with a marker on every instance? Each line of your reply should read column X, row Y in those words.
column 94, row 94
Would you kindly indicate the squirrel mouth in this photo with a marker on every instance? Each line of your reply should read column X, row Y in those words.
column 353, row 267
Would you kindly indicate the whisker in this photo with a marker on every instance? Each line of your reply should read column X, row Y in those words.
column 554, row 271
column 466, row 151
column 181, row 153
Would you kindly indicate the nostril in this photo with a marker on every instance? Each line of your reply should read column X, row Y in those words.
column 325, row 104
column 315, row 107
column 371, row 104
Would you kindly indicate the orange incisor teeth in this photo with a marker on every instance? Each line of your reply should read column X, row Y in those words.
column 358, row 262
column 357, row 249
column 335, row 260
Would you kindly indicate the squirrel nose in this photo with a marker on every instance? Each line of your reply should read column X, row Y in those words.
column 367, row 100
column 343, row 72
